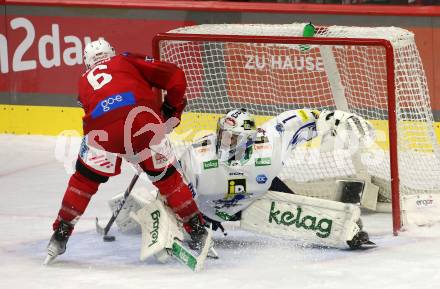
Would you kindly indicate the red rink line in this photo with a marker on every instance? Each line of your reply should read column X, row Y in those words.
column 5, row 174
column 219, row 6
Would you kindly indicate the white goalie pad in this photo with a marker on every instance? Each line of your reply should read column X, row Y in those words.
column 312, row 220
column 137, row 199
column 336, row 190
column 420, row 210
column 159, row 229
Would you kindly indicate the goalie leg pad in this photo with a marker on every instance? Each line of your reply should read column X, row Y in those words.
column 159, row 229
column 313, row 220
column 138, row 199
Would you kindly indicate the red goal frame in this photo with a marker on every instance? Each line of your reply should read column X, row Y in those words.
column 391, row 89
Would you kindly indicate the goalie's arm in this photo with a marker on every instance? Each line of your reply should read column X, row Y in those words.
column 336, row 122
column 293, row 127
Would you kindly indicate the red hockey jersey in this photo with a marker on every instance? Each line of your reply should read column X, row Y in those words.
column 110, row 89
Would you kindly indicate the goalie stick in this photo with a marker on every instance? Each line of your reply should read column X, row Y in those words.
column 104, row 230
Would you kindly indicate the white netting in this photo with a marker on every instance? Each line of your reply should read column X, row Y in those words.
column 269, row 78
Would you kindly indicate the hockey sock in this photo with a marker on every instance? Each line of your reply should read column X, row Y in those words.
column 178, row 196
column 76, row 198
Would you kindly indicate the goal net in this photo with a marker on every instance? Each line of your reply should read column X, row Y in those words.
column 374, row 72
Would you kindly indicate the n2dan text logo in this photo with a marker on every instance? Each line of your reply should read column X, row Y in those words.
column 48, row 50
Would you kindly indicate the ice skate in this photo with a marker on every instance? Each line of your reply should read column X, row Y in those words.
column 198, row 233
column 58, row 241
column 361, row 241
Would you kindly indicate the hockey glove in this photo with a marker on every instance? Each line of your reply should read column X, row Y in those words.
column 337, row 122
column 169, row 111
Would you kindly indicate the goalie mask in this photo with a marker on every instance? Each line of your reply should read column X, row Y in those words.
column 236, row 133
column 97, row 51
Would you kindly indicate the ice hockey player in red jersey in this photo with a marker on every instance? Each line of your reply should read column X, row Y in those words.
column 123, row 115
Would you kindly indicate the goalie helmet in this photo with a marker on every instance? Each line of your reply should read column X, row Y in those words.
column 97, row 51
column 236, row 133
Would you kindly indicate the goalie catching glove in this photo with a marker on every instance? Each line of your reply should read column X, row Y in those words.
column 338, row 123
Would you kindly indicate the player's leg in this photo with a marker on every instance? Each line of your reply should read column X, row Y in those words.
column 179, row 198
column 83, row 184
column 93, row 168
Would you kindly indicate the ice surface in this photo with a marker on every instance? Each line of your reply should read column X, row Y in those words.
column 32, row 183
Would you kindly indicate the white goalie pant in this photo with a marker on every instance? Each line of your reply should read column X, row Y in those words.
column 302, row 218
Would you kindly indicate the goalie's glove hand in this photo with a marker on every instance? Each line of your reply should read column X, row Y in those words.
column 169, row 111
column 338, row 122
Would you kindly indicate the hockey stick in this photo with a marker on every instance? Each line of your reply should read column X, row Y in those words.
column 104, row 230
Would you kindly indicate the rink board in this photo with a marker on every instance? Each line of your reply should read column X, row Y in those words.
column 51, row 120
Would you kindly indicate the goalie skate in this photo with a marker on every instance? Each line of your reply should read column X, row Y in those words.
column 361, row 241
column 189, row 257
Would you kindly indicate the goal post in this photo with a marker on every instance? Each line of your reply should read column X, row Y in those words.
column 374, row 72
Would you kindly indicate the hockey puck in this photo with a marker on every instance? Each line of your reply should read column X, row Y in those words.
column 107, row 238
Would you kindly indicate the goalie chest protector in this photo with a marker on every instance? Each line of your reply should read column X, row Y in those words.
column 223, row 189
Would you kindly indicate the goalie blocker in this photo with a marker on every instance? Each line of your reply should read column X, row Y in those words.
column 317, row 221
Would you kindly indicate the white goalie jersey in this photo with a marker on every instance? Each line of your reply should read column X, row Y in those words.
column 224, row 188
